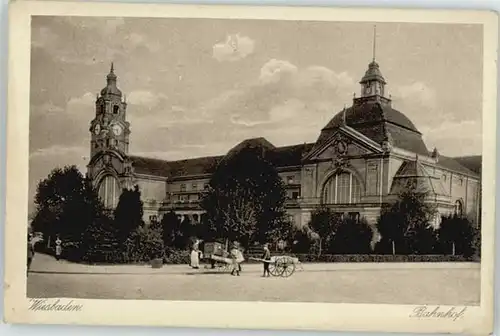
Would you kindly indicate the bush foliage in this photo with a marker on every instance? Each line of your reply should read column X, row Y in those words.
column 246, row 205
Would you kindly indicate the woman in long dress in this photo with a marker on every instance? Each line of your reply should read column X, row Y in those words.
column 195, row 256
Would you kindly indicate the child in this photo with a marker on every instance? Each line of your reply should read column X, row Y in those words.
column 58, row 248
column 237, row 259
column 266, row 256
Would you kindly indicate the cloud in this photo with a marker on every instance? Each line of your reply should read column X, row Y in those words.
column 287, row 93
column 136, row 40
column 58, row 150
column 43, row 37
column 103, row 25
column 87, row 99
column 274, row 70
column 416, row 91
column 47, row 109
column 234, row 48
column 468, row 139
column 145, row 98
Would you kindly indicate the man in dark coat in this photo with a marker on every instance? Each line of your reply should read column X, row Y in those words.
column 266, row 256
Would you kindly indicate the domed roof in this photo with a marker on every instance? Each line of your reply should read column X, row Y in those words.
column 375, row 118
column 373, row 73
column 111, row 88
column 371, row 111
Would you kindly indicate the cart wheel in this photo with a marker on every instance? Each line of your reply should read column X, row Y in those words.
column 274, row 269
column 288, row 267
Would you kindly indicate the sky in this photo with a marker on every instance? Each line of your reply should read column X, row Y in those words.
column 198, row 87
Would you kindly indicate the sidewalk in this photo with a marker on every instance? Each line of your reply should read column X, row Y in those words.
column 47, row 264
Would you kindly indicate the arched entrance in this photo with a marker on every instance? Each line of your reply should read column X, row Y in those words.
column 109, row 191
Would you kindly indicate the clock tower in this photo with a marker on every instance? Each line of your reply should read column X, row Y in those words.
column 110, row 168
column 372, row 83
column 109, row 129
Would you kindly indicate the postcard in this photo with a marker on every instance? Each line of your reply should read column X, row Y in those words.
column 251, row 167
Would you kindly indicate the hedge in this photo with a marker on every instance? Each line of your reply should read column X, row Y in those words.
column 381, row 258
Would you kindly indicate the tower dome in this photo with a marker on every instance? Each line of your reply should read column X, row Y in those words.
column 111, row 89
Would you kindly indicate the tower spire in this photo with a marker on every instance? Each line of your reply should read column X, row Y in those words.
column 112, row 67
column 374, row 41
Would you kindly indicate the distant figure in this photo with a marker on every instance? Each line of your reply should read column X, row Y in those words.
column 237, row 258
column 58, row 248
column 32, row 240
column 266, row 256
column 31, row 251
column 195, row 256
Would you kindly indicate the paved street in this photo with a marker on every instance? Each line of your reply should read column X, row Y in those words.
column 443, row 283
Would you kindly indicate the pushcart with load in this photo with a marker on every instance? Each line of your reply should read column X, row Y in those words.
column 217, row 257
column 281, row 266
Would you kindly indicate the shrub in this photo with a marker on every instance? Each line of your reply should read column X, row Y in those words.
column 145, row 244
column 176, row 257
column 352, row 237
column 344, row 258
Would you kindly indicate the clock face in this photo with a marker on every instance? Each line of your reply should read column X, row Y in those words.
column 117, row 129
column 97, row 129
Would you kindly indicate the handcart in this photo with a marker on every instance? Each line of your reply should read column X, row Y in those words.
column 281, row 266
column 217, row 257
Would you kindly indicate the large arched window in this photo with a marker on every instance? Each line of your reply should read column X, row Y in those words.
column 343, row 188
column 109, row 191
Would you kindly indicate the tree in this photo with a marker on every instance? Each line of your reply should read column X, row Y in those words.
column 352, row 237
column 245, row 198
column 301, row 240
column 456, row 235
column 66, row 204
column 128, row 213
column 406, row 221
column 324, row 223
column 146, row 243
column 100, row 243
column 170, row 224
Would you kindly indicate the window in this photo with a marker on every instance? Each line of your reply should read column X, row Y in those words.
column 182, row 198
column 459, row 208
column 444, row 177
column 153, row 219
column 289, row 179
column 183, row 187
column 194, row 186
column 295, row 195
column 116, row 109
column 205, row 186
column 109, row 191
column 343, row 188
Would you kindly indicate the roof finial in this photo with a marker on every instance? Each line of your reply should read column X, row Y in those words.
column 112, row 68
column 374, row 41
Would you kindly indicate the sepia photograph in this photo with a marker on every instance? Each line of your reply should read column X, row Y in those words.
column 255, row 159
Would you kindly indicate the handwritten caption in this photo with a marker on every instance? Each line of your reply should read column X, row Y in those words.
column 54, row 305
column 426, row 312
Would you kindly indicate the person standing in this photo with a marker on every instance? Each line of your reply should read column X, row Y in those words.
column 31, row 251
column 58, row 248
column 266, row 257
column 195, row 256
column 236, row 257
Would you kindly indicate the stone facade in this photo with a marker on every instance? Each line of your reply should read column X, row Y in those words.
column 362, row 158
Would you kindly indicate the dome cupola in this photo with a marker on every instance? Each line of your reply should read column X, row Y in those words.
column 111, row 89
